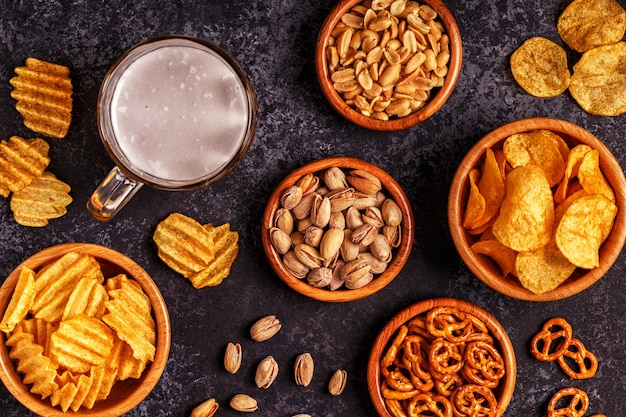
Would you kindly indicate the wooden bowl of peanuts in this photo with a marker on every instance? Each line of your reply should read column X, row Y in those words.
column 338, row 229
column 388, row 65
column 442, row 355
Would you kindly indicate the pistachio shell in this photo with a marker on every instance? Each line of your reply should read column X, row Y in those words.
column 331, row 243
column 293, row 264
column 280, row 240
column 303, row 369
column 303, row 208
column 391, row 212
column 308, row 255
column 284, row 220
column 364, row 235
column 364, row 182
column 337, row 382
column 335, row 178
column 265, row 328
column 291, row 197
column 308, row 183
column 243, row 403
column 266, row 372
column 320, row 211
column 207, row 409
column 232, row 357
column 319, row 277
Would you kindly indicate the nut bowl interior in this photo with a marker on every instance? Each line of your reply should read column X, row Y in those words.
column 503, row 392
column 482, row 266
column 400, row 254
column 439, row 94
column 125, row 395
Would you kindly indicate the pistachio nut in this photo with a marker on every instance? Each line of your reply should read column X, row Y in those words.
column 291, row 197
column 340, row 199
column 335, row 179
column 364, row 235
column 313, row 236
column 363, row 201
column 353, row 218
column 308, row 183
column 266, row 372
column 376, row 265
column 355, row 282
column 284, row 220
column 297, row 238
column 303, row 208
column 280, row 240
column 308, row 255
column 336, row 282
column 319, row 277
column 265, row 328
column 304, row 224
column 380, row 199
column 331, row 243
column 364, row 181
column 303, row 369
column 338, row 220
column 349, row 250
column 354, row 270
column 391, row 212
column 207, row 409
column 243, row 403
column 302, row 415
column 320, row 211
column 232, row 357
column 337, row 382
column 381, row 249
column 393, row 235
column 293, row 265
column 374, row 217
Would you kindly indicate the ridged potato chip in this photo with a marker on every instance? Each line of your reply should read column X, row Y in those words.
column 540, row 67
column 226, row 250
column 45, row 198
column 598, row 83
column 88, row 298
column 526, row 218
column 586, row 24
column 21, row 161
column 21, row 301
column 43, row 91
column 583, row 227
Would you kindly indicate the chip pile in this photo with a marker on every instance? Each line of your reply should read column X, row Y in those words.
column 43, row 91
column 594, row 28
column 202, row 254
column 541, row 209
column 73, row 333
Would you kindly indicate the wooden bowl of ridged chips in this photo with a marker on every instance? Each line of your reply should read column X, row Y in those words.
column 126, row 394
column 482, row 266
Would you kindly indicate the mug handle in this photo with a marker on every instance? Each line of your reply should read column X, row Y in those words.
column 111, row 195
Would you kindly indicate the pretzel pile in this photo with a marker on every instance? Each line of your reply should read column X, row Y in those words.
column 441, row 363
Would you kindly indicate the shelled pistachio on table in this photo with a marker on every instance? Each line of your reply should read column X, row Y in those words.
column 336, row 228
column 386, row 56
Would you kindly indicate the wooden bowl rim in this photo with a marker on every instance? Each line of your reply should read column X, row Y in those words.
column 432, row 106
column 401, row 254
column 483, row 267
column 140, row 388
column 505, row 390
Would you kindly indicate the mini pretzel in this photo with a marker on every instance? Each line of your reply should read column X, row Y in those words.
column 392, row 352
column 552, row 341
column 445, row 357
column 447, row 386
column 449, row 323
column 483, row 364
column 473, row 400
column 399, row 382
column 415, row 358
column 423, row 405
column 585, row 361
column 395, row 408
column 391, row 394
column 577, row 406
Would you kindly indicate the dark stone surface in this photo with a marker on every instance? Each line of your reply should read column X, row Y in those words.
column 274, row 42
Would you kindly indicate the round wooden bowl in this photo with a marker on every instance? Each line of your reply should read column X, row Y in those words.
column 125, row 395
column 400, row 254
column 503, row 392
column 482, row 266
column 437, row 99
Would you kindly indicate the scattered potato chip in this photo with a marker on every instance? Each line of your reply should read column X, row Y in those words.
column 586, row 24
column 43, row 91
column 21, row 161
column 599, row 80
column 43, row 199
column 21, row 301
column 584, row 226
column 543, row 269
column 526, row 218
column 591, row 177
column 503, row 256
column 203, row 254
column 540, row 67
column 536, row 148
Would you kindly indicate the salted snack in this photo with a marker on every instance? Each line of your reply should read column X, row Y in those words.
column 202, row 254
column 541, row 209
column 586, row 24
column 385, row 58
column 67, row 336
column 539, row 66
column 21, row 161
column 43, row 91
column 555, row 342
column 571, row 402
column 45, row 198
column 443, row 362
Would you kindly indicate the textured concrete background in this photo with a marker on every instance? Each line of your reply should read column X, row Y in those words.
column 274, row 42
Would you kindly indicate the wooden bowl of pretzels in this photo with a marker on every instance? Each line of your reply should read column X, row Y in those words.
column 444, row 355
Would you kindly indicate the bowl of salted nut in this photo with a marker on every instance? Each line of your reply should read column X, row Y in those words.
column 338, row 229
column 388, row 65
column 444, row 357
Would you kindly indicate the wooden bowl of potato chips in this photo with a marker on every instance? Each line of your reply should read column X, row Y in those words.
column 561, row 222
column 114, row 308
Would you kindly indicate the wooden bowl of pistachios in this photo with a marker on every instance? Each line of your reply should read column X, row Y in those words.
column 388, row 66
column 338, row 229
